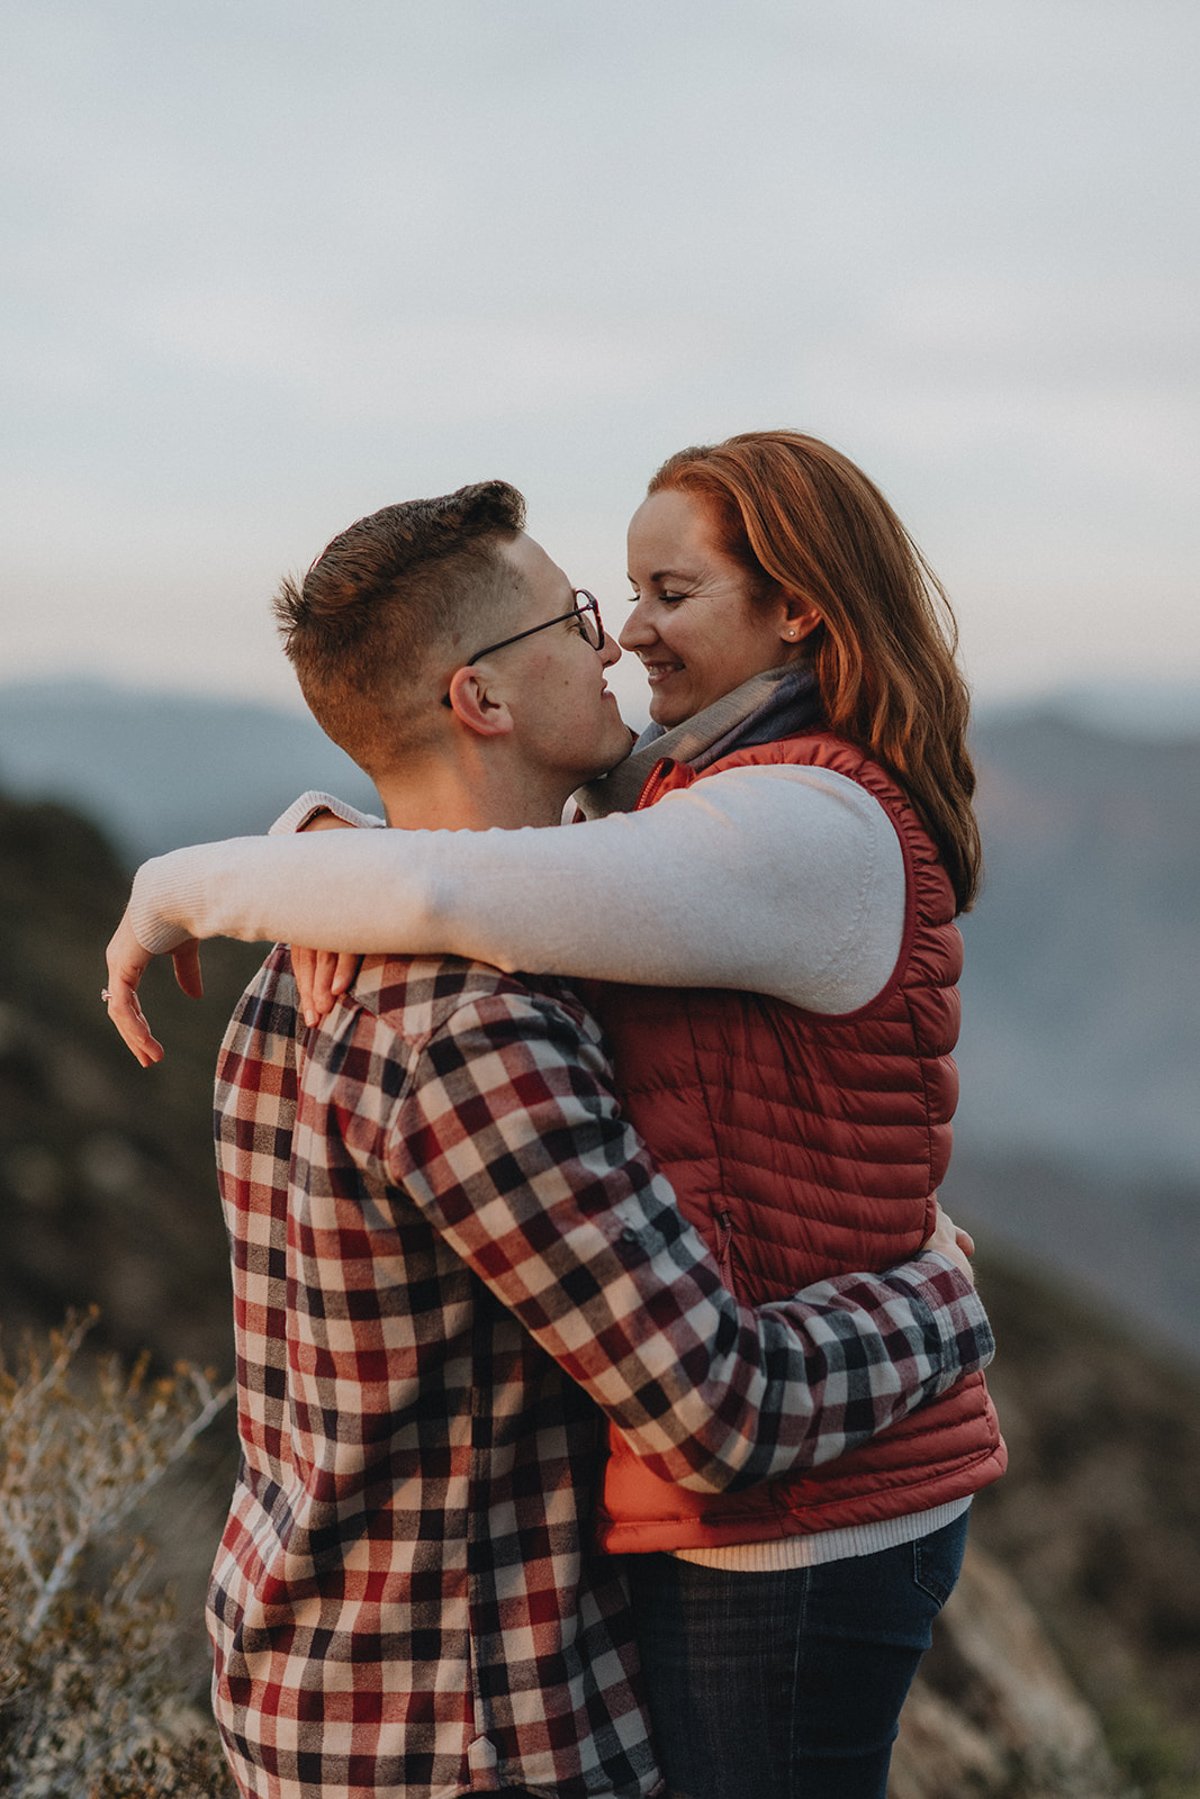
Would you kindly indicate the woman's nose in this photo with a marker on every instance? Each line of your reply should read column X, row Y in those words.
column 637, row 629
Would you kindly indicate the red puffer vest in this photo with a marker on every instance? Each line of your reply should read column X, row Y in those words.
column 803, row 1146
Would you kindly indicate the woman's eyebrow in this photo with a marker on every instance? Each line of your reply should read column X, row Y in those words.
column 665, row 574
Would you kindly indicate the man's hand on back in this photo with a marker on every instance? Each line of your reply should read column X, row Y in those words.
column 956, row 1245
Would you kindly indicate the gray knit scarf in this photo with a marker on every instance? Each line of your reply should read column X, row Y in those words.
column 778, row 703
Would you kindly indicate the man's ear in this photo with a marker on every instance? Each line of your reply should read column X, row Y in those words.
column 476, row 705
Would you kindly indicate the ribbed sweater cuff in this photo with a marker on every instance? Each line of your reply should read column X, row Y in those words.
column 309, row 804
column 164, row 888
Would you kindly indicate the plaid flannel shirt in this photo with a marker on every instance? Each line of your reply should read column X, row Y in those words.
column 449, row 1252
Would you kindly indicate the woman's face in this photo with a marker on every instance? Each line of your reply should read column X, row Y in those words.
column 694, row 627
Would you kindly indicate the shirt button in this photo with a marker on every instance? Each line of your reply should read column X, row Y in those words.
column 481, row 1756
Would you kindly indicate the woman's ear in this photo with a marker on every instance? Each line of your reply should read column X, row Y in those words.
column 476, row 705
column 800, row 619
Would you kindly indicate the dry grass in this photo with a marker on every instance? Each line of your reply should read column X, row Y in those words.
column 89, row 1705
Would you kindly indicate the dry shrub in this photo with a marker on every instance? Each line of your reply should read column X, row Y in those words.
column 88, row 1705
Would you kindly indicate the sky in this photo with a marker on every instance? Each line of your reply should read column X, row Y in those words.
column 269, row 266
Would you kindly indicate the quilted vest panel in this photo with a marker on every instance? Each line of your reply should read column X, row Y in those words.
column 803, row 1146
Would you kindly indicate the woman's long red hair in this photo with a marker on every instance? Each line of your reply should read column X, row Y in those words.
column 802, row 519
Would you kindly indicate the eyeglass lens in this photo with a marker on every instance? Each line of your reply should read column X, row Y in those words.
column 589, row 617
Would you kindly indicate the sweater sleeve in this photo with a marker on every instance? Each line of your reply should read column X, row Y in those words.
column 786, row 881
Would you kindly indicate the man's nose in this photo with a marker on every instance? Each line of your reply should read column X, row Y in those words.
column 611, row 652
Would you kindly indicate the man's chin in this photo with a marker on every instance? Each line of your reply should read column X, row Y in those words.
column 611, row 756
column 631, row 737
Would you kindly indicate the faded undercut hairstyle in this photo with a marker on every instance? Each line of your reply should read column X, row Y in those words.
column 801, row 519
column 383, row 599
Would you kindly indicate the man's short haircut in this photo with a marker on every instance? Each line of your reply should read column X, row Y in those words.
column 385, row 600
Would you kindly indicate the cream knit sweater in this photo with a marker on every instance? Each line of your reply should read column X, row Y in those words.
column 780, row 880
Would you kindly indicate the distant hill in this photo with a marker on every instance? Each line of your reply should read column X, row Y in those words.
column 1082, row 990
column 161, row 769
column 1078, row 1140
column 1150, row 711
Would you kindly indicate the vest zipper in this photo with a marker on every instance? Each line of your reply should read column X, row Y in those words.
column 661, row 772
column 725, row 1247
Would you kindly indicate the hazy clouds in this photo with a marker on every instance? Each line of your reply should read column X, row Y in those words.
column 269, row 266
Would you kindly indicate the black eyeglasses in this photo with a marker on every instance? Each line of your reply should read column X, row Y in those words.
column 586, row 609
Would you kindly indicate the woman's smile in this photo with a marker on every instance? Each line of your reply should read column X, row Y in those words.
column 657, row 670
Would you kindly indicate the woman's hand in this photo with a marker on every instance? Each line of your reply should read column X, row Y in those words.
column 322, row 976
column 127, row 962
column 955, row 1244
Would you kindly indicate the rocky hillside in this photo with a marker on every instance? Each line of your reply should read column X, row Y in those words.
column 993, row 1712
column 106, row 1170
column 1086, row 1612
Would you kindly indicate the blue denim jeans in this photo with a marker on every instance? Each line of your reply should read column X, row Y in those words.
column 787, row 1685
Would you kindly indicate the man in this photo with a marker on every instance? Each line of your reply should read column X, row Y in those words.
column 451, row 1255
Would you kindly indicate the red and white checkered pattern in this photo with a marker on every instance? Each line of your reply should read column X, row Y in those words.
column 448, row 1251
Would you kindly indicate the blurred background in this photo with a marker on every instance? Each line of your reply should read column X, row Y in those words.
column 269, row 267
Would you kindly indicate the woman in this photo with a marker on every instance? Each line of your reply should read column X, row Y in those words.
column 767, row 896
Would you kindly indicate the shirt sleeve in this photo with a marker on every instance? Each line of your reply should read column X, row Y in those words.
column 786, row 881
column 509, row 1140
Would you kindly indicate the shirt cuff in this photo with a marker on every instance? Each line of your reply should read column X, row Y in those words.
column 956, row 1325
